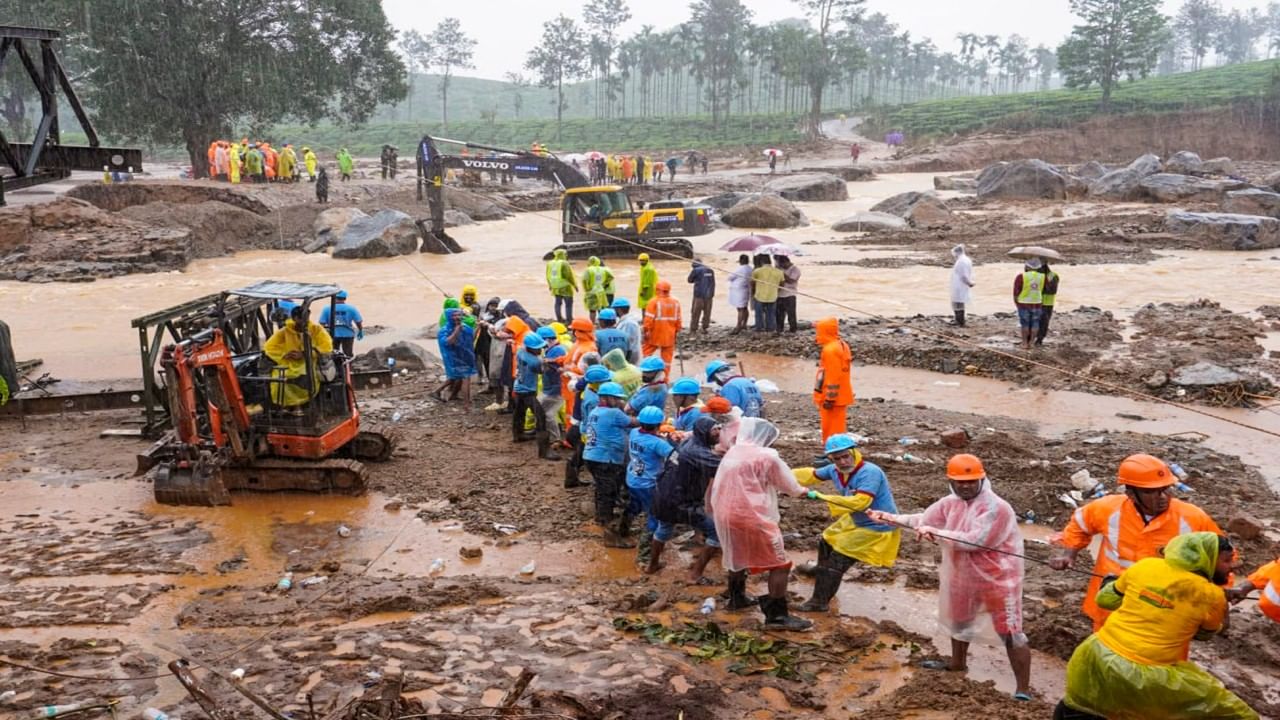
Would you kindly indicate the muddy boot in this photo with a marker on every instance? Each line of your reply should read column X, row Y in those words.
column 644, row 548
column 613, row 538
column 776, row 616
column 571, row 475
column 544, row 447
column 826, row 582
column 738, row 597
column 959, row 318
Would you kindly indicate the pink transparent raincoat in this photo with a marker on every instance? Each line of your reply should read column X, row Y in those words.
column 744, row 499
column 974, row 583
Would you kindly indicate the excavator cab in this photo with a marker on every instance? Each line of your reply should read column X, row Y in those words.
column 244, row 418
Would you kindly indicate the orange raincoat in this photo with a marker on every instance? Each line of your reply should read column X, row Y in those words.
column 662, row 321
column 1267, row 579
column 833, row 384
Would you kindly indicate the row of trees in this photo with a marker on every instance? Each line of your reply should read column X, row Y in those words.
column 1202, row 26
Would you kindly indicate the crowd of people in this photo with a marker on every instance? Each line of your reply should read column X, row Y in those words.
column 1035, row 293
column 639, row 169
column 664, row 450
column 259, row 162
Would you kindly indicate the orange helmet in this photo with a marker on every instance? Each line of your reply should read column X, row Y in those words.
column 965, row 467
column 718, row 406
column 663, row 286
column 1144, row 471
column 581, row 324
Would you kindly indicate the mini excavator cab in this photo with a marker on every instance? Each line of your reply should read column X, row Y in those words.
column 244, row 420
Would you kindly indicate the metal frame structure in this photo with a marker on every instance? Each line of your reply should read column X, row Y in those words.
column 45, row 158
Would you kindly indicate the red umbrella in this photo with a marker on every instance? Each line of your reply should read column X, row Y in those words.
column 595, row 155
column 747, row 243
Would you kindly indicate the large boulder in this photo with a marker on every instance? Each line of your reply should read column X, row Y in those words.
column 765, row 211
column 408, row 356
column 15, row 228
column 1253, row 201
column 1203, row 374
column 726, row 200
column 809, row 187
column 1183, row 162
column 1091, row 170
column 456, row 218
column 1125, row 183
column 1167, row 187
column 478, row 207
column 332, row 223
column 958, row 183
column 1271, row 182
column 869, row 222
column 1225, row 231
column 1022, row 180
column 386, row 233
column 920, row 209
column 849, row 173
column 1218, row 166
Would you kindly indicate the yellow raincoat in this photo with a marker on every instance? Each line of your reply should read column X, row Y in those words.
column 853, row 534
column 287, row 163
column 309, row 159
column 1136, row 666
column 286, row 340
column 233, row 154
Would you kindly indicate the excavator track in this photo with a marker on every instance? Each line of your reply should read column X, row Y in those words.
column 581, row 250
column 374, row 444
column 209, row 484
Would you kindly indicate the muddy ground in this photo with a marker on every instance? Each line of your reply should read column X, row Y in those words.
column 157, row 581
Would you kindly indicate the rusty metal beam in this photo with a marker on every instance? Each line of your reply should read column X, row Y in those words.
column 30, row 33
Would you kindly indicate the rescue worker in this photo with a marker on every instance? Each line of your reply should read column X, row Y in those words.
column 234, row 161
column 605, row 433
column 525, row 400
column 562, row 284
column 322, row 187
column 1028, row 294
column 270, row 160
column 551, row 402
column 961, row 283
column 288, row 163
column 220, row 161
column 860, row 486
column 653, row 391
column 586, row 398
column 647, row 454
column 1267, row 580
column 985, row 580
column 680, row 497
column 253, row 165
column 662, row 321
column 648, row 281
column 609, row 337
column 703, row 280
column 348, row 324
column 388, row 160
column 684, row 394
column 624, row 373
column 595, row 279
column 610, row 285
column 287, row 349
column 1048, row 298
column 833, row 386
column 584, row 343
column 744, row 504
column 629, row 324
column 309, row 159
column 1133, row 526
column 211, row 159
column 741, row 392
column 345, row 164
column 1135, row 666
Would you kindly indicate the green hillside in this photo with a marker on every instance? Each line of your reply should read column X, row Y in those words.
column 470, row 98
column 1213, row 87
column 657, row 135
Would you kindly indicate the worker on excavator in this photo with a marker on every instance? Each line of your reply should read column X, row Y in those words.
column 287, row 349
column 1135, row 666
column 833, row 387
column 648, row 281
column 1133, row 526
column 595, row 279
column 860, row 486
column 562, row 284
column 662, row 321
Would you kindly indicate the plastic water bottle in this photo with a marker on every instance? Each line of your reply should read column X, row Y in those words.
column 708, row 606
column 285, row 583
column 1183, row 487
column 55, row 710
column 907, row 441
column 391, row 363
column 1178, row 471
column 437, row 567
column 154, row 714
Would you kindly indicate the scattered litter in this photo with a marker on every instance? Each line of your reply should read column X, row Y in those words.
column 285, row 583
column 908, row 457
column 767, row 386
column 506, row 529
column 860, row 439
column 528, row 568
column 1183, row 487
column 437, row 567
column 1082, row 480
column 451, row 528
column 1096, row 440
column 1029, row 517
column 395, row 417
column 1068, row 500
column 314, row 580
column 1179, row 471
column 55, row 710
column 907, row 441
column 344, row 531
column 238, row 674
column 154, row 714
column 493, row 407
column 708, row 606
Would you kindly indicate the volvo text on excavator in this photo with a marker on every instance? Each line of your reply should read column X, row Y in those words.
column 594, row 220
column 240, row 420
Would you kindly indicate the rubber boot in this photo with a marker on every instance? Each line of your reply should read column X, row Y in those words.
column 571, row 475
column 738, row 597
column 544, row 447
column 644, row 548
column 776, row 616
column 960, row 318
column 615, row 534
column 826, row 582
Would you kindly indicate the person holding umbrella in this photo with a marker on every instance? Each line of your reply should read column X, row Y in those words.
column 1028, row 294
column 1047, row 300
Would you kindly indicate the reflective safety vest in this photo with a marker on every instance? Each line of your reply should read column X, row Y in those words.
column 667, row 309
column 556, row 275
column 1032, row 288
column 1046, row 298
column 1269, row 603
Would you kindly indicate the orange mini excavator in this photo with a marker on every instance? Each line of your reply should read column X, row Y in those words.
column 229, row 433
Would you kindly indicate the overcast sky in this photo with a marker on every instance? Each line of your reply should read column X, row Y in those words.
column 507, row 29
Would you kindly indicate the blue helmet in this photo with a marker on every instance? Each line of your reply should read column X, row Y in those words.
column 607, row 314
column 611, row 389
column 651, row 416
column 598, row 374
column 714, row 368
column 653, row 363
column 686, row 386
column 341, row 295
column 839, row 443
column 556, row 352
column 621, row 303
column 546, row 332
column 533, row 342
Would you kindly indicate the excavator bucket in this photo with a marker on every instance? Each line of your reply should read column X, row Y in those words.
column 198, row 483
column 438, row 242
